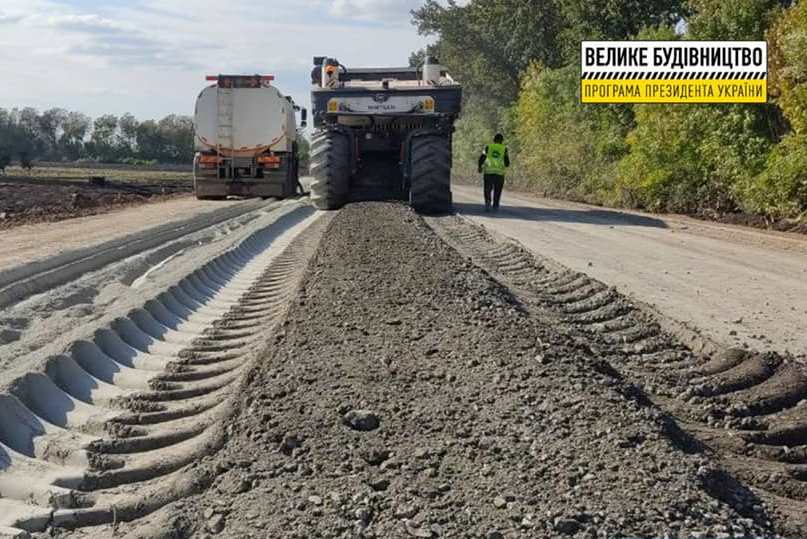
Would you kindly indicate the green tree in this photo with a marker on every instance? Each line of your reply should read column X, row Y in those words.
column 56, row 134
column 739, row 19
column 20, row 135
column 50, row 125
column 781, row 189
column 11, row 135
column 126, row 138
column 150, row 141
column 613, row 19
column 787, row 43
column 33, row 142
column 488, row 44
column 75, row 128
column 104, row 137
column 177, row 131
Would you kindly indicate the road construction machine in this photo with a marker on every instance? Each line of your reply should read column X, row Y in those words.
column 382, row 133
column 245, row 139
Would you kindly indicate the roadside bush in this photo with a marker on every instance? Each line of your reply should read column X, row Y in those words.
column 662, row 160
column 25, row 161
column 689, row 158
column 568, row 149
column 138, row 162
column 696, row 158
column 787, row 41
column 780, row 191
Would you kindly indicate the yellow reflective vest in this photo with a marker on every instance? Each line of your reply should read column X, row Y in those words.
column 494, row 159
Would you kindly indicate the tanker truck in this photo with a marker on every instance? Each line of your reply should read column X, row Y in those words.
column 382, row 133
column 245, row 137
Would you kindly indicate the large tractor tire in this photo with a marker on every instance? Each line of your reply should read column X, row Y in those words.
column 330, row 168
column 430, row 186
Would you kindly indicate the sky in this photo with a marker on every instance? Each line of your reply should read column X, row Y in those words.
column 150, row 57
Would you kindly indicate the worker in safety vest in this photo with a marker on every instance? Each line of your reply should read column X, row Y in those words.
column 493, row 163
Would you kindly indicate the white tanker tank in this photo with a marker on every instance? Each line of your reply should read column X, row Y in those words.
column 245, row 139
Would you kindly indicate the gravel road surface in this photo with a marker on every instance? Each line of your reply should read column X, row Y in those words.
column 738, row 286
column 409, row 394
column 374, row 373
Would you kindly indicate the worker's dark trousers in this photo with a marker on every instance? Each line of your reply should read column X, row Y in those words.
column 493, row 186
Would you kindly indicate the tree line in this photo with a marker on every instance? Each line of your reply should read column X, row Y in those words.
column 519, row 63
column 60, row 135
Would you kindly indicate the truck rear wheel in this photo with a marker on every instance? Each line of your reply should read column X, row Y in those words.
column 430, row 189
column 330, row 167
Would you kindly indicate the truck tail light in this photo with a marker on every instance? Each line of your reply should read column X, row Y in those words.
column 270, row 161
column 208, row 161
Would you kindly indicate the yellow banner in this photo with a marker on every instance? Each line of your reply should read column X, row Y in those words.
column 675, row 91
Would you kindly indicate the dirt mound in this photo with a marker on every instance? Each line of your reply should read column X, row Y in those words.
column 411, row 395
column 754, row 220
column 33, row 201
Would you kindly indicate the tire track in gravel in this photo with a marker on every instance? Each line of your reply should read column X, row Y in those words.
column 107, row 431
column 748, row 408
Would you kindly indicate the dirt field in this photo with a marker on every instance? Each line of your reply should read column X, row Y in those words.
column 80, row 172
column 30, row 242
column 49, row 194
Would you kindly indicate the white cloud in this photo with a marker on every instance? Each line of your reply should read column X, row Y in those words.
column 10, row 18
column 116, row 41
column 150, row 57
column 89, row 23
column 379, row 11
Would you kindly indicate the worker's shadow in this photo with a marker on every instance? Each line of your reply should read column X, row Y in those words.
column 592, row 217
